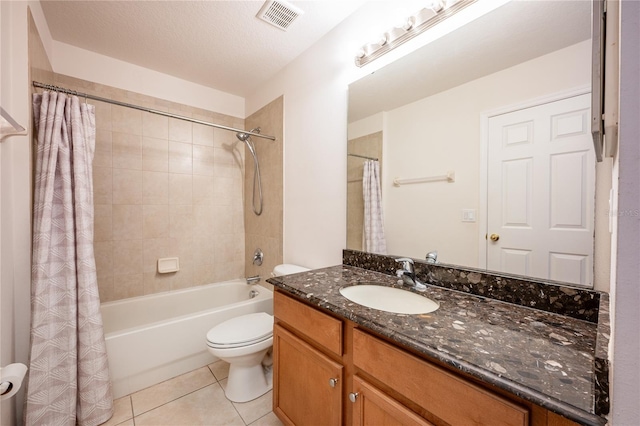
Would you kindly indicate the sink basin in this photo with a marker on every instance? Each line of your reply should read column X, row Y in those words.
column 389, row 299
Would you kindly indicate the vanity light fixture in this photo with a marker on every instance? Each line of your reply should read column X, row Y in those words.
column 436, row 11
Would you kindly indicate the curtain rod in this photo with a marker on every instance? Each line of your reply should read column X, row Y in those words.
column 152, row 111
column 363, row 156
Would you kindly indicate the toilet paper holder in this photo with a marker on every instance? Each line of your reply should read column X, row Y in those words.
column 5, row 387
column 11, row 379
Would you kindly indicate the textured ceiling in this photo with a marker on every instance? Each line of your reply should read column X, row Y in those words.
column 219, row 44
column 511, row 34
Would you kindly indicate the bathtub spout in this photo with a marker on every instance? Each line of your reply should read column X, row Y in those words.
column 253, row 280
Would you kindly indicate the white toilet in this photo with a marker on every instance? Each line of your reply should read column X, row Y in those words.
column 243, row 342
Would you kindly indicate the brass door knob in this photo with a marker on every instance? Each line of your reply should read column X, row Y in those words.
column 494, row 237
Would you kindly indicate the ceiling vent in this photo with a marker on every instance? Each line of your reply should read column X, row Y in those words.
column 279, row 13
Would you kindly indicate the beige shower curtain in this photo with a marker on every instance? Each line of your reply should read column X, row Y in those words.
column 373, row 237
column 68, row 376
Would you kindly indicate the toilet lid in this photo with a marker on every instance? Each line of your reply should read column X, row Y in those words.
column 240, row 330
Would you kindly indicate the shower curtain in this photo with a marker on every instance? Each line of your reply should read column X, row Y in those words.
column 68, row 379
column 373, row 233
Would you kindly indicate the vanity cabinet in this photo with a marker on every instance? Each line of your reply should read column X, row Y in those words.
column 308, row 380
column 312, row 383
column 372, row 406
column 330, row 371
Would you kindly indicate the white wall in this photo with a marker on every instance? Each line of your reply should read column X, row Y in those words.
column 315, row 89
column 431, row 136
column 75, row 62
column 15, row 182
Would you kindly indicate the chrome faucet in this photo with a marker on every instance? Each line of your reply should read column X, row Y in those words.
column 432, row 257
column 408, row 274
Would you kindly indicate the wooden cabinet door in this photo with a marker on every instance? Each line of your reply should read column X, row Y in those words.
column 373, row 407
column 303, row 393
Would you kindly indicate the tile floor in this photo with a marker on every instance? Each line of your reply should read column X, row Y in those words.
column 193, row 399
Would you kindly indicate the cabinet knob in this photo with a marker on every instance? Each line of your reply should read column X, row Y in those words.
column 353, row 396
column 333, row 382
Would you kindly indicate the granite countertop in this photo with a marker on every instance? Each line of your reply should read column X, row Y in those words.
column 546, row 358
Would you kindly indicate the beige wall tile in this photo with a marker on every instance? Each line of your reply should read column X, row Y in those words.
column 103, row 115
column 203, row 135
column 102, row 156
column 126, row 120
column 203, row 217
column 155, row 187
column 203, row 249
column 203, row 189
column 156, row 283
column 127, row 222
column 157, row 248
column 203, row 273
column 103, row 252
column 180, row 157
column 203, row 160
column 127, row 186
column 155, row 154
column 155, row 126
column 183, row 278
column 180, row 130
column 125, row 286
column 224, row 137
column 126, row 151
column 183, row 248
column 155, row 222
column 162, row 188
column 181, row 221
column 105, row 289
column 229, row 271
column 127, row 257
column 102, row 185
column 103, row 224
column 180, row 189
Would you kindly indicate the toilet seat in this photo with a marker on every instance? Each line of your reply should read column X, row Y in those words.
column 241, row 331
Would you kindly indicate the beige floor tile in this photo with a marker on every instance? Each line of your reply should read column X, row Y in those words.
column 127, row 423
column 220, row 369
column 170, row 390
column 207, row 406
column 268, row 420
column 122, row 411
column 253, row 410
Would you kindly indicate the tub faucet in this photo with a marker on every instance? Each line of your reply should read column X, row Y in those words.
column 253, row 280
column 408, row 274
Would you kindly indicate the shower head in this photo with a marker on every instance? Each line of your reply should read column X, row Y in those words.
column 245, row 136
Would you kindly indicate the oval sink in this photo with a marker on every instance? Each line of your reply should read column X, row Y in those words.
column 389, row 299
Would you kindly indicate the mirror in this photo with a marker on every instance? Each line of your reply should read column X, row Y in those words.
column 436, row 114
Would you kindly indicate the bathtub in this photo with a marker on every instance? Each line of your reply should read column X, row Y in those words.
column 153, row 338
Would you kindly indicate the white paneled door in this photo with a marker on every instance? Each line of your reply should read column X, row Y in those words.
column 541, row 189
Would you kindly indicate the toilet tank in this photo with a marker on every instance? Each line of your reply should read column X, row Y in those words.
column 287, row 268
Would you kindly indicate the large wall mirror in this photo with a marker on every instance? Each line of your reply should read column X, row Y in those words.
column 486, row 134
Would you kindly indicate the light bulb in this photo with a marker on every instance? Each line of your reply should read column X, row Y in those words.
column 435, row 5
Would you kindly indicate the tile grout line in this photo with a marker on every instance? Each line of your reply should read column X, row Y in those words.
column 175, row 399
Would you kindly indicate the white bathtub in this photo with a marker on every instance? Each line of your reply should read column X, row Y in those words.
column 153, row 338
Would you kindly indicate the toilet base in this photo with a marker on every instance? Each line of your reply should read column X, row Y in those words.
column 246, row 383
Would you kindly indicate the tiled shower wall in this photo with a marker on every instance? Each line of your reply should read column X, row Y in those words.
column 265, row 231
column 163, row 187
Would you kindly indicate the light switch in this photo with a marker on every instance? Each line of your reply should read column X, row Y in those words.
column 468, row 215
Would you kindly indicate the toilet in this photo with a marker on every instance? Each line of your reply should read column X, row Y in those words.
column 244, row 342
